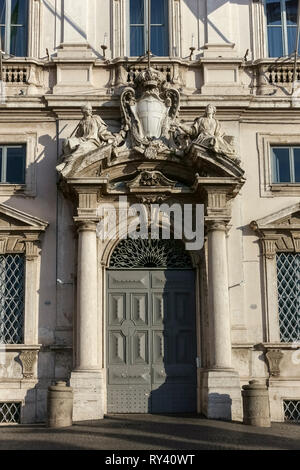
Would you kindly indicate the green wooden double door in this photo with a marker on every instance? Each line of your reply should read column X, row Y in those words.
column 151, row 341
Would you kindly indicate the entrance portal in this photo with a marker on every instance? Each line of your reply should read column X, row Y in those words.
column 151, row 328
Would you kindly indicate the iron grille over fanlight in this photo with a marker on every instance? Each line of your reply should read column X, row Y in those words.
column 150, row 253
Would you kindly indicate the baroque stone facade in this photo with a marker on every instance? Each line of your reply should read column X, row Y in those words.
column 197, row 126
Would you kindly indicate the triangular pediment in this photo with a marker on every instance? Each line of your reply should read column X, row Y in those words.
column 13, row 219
column 288, row 218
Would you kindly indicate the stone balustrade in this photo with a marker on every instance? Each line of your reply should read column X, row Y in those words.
column 274, row 74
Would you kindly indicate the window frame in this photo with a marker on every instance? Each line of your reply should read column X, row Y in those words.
column 145, row 27
column 278, row 233
column 265, row 142
column 8, row 295
column 3, row 169
column 284, row 27
column 275, row 172
column 296, row 262
column 8, row 25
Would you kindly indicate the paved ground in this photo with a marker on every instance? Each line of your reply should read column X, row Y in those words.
column 150, row 432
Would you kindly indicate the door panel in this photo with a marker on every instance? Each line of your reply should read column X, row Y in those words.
column 116, row 309
column 151, row 341
column 139, row 309
column 117, row 348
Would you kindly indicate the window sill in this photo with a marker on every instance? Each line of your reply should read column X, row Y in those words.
column 20, row 347
column 281, row 345
column 286, row 189
column 7, row 189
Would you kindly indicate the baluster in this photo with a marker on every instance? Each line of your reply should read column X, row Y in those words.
column 21, row 76
column 9, row 75
column 285, row 75
column 281, row 78
column 269, row 75
column 168, row 73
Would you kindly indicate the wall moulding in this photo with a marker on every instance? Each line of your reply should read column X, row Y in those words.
column 278, row 232
column 29, row 139
column 265, row 141
column 20, row 233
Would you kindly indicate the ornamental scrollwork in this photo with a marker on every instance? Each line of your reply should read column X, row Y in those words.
column 146, row 253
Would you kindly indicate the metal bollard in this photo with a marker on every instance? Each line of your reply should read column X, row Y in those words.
column 256, row 404
column 59, row 405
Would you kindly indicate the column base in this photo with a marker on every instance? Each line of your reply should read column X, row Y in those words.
column 88, row 395
column 221, row 394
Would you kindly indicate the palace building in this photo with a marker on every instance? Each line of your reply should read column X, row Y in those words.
column 95, row 122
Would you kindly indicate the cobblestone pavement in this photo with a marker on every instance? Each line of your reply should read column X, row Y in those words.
column 149, row 432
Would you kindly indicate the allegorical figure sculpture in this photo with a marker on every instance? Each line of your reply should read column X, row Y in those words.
column 90, row 134
column 206, row 132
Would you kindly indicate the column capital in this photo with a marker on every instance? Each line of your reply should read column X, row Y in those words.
column 217, row 225
column 269, row 248
column 86, row 225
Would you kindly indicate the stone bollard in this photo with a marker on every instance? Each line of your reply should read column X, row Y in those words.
column 59, row 405
column 256, row 404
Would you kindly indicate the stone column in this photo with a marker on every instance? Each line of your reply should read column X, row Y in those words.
column 87, row 334
column 218, row 295
column 87, row 379
column 221, row 392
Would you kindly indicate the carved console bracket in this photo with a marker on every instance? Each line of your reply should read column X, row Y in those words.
column 274, row 357
column 28, row 359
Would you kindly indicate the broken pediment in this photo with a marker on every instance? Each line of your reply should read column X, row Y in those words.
column 150, row 132
column 207, row 163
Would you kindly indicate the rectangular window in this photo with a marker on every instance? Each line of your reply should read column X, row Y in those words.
column 159, row 30
column 12, row 164
column 286, row 164
column 12, row 270
column 10, row 413
column 288, row 281
column 14, row 27
column 291, row 410
column 281, row 27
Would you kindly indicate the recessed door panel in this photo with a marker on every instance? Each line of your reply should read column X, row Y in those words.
column 139, row 309
column 117, row 347
column 116, row 308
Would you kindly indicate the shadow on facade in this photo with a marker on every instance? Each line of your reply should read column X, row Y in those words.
column 174, row 344
column 53, row 364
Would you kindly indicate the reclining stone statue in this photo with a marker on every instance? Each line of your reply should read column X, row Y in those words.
column 90, row 134
column 206, row 132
